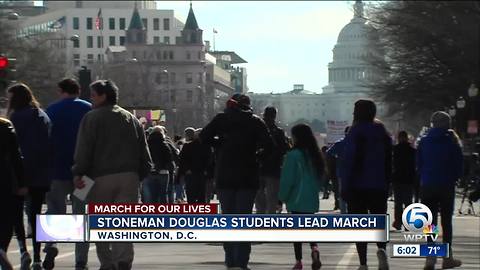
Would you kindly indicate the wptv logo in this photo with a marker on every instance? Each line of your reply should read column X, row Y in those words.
column 417, row 219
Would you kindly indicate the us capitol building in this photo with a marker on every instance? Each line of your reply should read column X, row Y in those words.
column 348, row 74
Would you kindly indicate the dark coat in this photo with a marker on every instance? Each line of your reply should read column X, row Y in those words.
column 161, row 153
column 11, row 166
column 403, row 164
column 271, row 164
column 194, row 157
column 33, row 132
column 240, row 135
column 367, row 158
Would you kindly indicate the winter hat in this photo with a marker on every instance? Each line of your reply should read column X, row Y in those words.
column 440, row 120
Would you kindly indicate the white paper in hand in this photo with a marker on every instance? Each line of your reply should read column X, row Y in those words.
column 81, row 194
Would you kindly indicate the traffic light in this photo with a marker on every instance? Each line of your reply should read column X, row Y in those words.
column 84, row 77
column 7, row 71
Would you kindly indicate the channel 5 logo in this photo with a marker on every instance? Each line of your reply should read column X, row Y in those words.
column 417, row 219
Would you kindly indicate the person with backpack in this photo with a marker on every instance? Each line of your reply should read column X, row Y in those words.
column 33, row 128
column 300, row 183
column 266, row 201
column 368, row 166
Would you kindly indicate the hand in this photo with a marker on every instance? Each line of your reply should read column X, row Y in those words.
column 22, row 191
column 78, row 182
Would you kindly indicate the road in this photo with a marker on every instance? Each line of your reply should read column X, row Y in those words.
column 269, row 256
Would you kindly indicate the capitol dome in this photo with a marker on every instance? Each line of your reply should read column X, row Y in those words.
column 349, row 69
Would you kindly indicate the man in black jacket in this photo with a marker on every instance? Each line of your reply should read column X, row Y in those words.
column 240, row 135
column 194, row 161
column 270, row 167
column 403, row 176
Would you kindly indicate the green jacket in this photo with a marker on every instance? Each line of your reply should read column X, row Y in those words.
column 299, row 185
column 111, row 140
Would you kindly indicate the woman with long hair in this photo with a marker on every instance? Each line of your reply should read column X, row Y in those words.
column 300, row 183
column 367, row 163
column 33, row 130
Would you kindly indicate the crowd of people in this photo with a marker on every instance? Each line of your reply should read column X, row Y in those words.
column 244, row 159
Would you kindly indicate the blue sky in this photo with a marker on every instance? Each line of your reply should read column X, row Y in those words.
column 284, row 42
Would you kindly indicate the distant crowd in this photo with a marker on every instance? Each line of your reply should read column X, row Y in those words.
column 246, row 161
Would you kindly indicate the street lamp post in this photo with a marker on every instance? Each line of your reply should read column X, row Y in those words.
column 453, row 112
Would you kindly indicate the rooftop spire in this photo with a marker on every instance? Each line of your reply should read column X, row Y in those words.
column 136, row 21
column 191, row 22
column 358, row 9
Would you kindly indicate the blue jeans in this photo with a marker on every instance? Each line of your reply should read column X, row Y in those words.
column 237, row 201
column 155, row 188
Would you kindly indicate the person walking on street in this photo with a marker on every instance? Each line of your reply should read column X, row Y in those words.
column 403, row 176
column 194, row 160
column 13, row 185
column 336, row 151
column 440, row 165
column 112, row 150
column 300, row 183
column 270, row 166
column 33, row 128
column 241, row 134
column 368, row 164
column 65, row 115
column 155, row 185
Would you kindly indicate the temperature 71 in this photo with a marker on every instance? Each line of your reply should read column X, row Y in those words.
column 433, row 250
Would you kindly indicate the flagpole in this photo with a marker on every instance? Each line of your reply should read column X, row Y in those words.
column 103, row 45
column 214, row 39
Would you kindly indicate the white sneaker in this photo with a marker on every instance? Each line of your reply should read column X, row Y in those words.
column 382, row 259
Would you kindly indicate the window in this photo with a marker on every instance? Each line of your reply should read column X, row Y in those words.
column 122, row 41
column 159, row 55
column 156, row 39
column 122, row 24
column 170, row 54
column 156, row 24
column 145, row 23
column 99, row 57
column 172, row 95
column 166, row 40
column 78, row 4
column 76, row 59
column 111, row 41
column 90, row 58
column 189, row 55
column 99, row 42
column 189, row 95
column 111, row 23
column 166, row 24
column 200, row 77
column 89, row 42
column 165, row 55
column 172, row 77
column 188, row 78
column 89, row 23
column 76, row 23
column 76, row 43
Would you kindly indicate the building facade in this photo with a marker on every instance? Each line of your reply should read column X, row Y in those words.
column 181, row 79
column 69, row 18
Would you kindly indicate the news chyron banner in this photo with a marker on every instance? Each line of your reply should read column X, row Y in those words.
column 203, row 223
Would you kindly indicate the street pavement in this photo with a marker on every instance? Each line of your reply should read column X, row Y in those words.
column 269, row 256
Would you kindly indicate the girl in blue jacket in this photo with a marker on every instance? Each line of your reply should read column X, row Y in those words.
column 300, row 183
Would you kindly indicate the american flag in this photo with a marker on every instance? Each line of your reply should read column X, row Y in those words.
column 99, row 20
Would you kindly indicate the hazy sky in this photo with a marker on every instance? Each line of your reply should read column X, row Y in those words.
column 284, row 42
